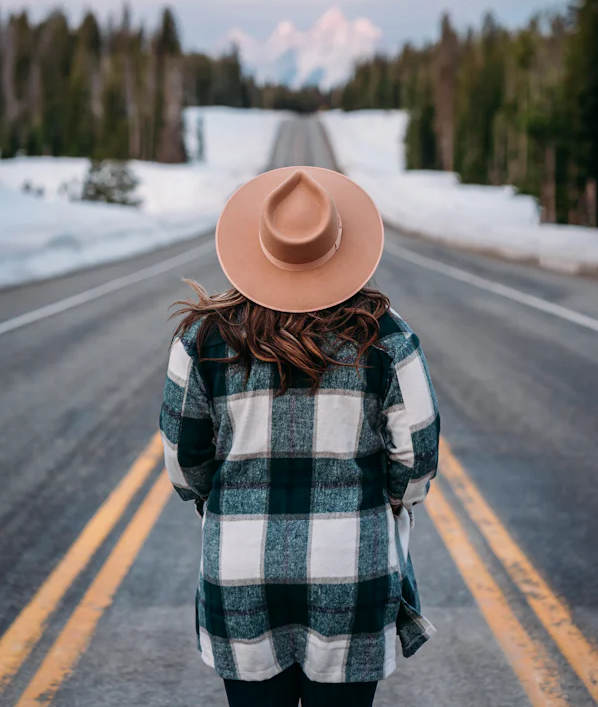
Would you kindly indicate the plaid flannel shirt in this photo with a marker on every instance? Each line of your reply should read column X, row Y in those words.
column 303, row 559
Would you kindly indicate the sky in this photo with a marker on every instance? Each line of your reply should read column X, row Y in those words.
column 204, row 22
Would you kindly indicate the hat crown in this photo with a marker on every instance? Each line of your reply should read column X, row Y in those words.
column 299, row 223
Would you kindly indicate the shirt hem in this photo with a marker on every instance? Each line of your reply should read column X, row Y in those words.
column 327, row 677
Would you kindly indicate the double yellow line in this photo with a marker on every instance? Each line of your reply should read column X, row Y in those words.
column 27, row 629
column 537, row 673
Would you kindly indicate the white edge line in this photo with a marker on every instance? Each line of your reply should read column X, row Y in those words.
column 408, row 255
column 494, row 287
column 104, row 289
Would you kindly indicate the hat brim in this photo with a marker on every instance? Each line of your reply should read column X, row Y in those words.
column 251, row 272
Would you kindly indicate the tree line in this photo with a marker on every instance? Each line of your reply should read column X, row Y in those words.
column 497, row 106
column 115, row 91
column 104, row 92
column 501, row 107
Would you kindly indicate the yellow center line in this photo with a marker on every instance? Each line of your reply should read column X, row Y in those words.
column 26, row 630
column 78, row 631
column 537, row 673
column 550, row 610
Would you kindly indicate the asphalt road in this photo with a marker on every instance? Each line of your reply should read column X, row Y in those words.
column 518, row 390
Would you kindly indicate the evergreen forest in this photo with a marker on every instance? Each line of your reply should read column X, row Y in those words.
column 497, row 106
column 501, row 107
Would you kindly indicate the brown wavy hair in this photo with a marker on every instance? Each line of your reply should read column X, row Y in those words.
column 307, row 343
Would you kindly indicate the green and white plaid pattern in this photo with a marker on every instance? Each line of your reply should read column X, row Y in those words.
column 303, row 560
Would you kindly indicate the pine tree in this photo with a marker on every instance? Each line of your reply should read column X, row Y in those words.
column 228, row 85
column 111, row 182
column 115, row 128
column 55, row 55
column 8, row 103
column 84, row 89
column 199, row 70
column 169, row 145
column 445, row 86
column 582, row 78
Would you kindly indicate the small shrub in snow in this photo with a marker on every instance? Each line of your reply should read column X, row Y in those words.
column 29, row 188
column 112, row 182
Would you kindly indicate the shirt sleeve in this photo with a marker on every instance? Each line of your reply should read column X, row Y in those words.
column 411, row 426
column 186, row 427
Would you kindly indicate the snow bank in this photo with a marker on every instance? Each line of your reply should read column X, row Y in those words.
column 369, row 147
column 50, row 235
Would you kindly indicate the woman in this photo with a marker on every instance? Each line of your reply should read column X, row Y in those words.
column 298, row 408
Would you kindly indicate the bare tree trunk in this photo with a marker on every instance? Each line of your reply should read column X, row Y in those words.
column 590, row 199
column 103, row 74
column 150, row 99
column 444, row 89
column 523, row 154
column 512, row 154
column 171, row 148
column 523, row 143
column 548, row 187
column 34, row 97
column 132, row 109
column 7, row 47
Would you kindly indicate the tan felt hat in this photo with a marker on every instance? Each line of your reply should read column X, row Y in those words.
column 299, row 239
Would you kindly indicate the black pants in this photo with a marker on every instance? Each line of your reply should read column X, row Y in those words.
column 290, row 686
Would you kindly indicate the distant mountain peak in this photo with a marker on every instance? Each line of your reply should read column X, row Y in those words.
column 331, row 19
column 325, row 54
column 284, row 29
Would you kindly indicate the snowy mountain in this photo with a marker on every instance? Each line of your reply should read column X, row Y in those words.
column 323, row 56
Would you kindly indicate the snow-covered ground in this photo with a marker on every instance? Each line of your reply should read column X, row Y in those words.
column 369, row 147
column 42, row 236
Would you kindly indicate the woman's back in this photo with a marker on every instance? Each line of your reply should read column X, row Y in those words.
column 303, row 559
column 300, row 418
